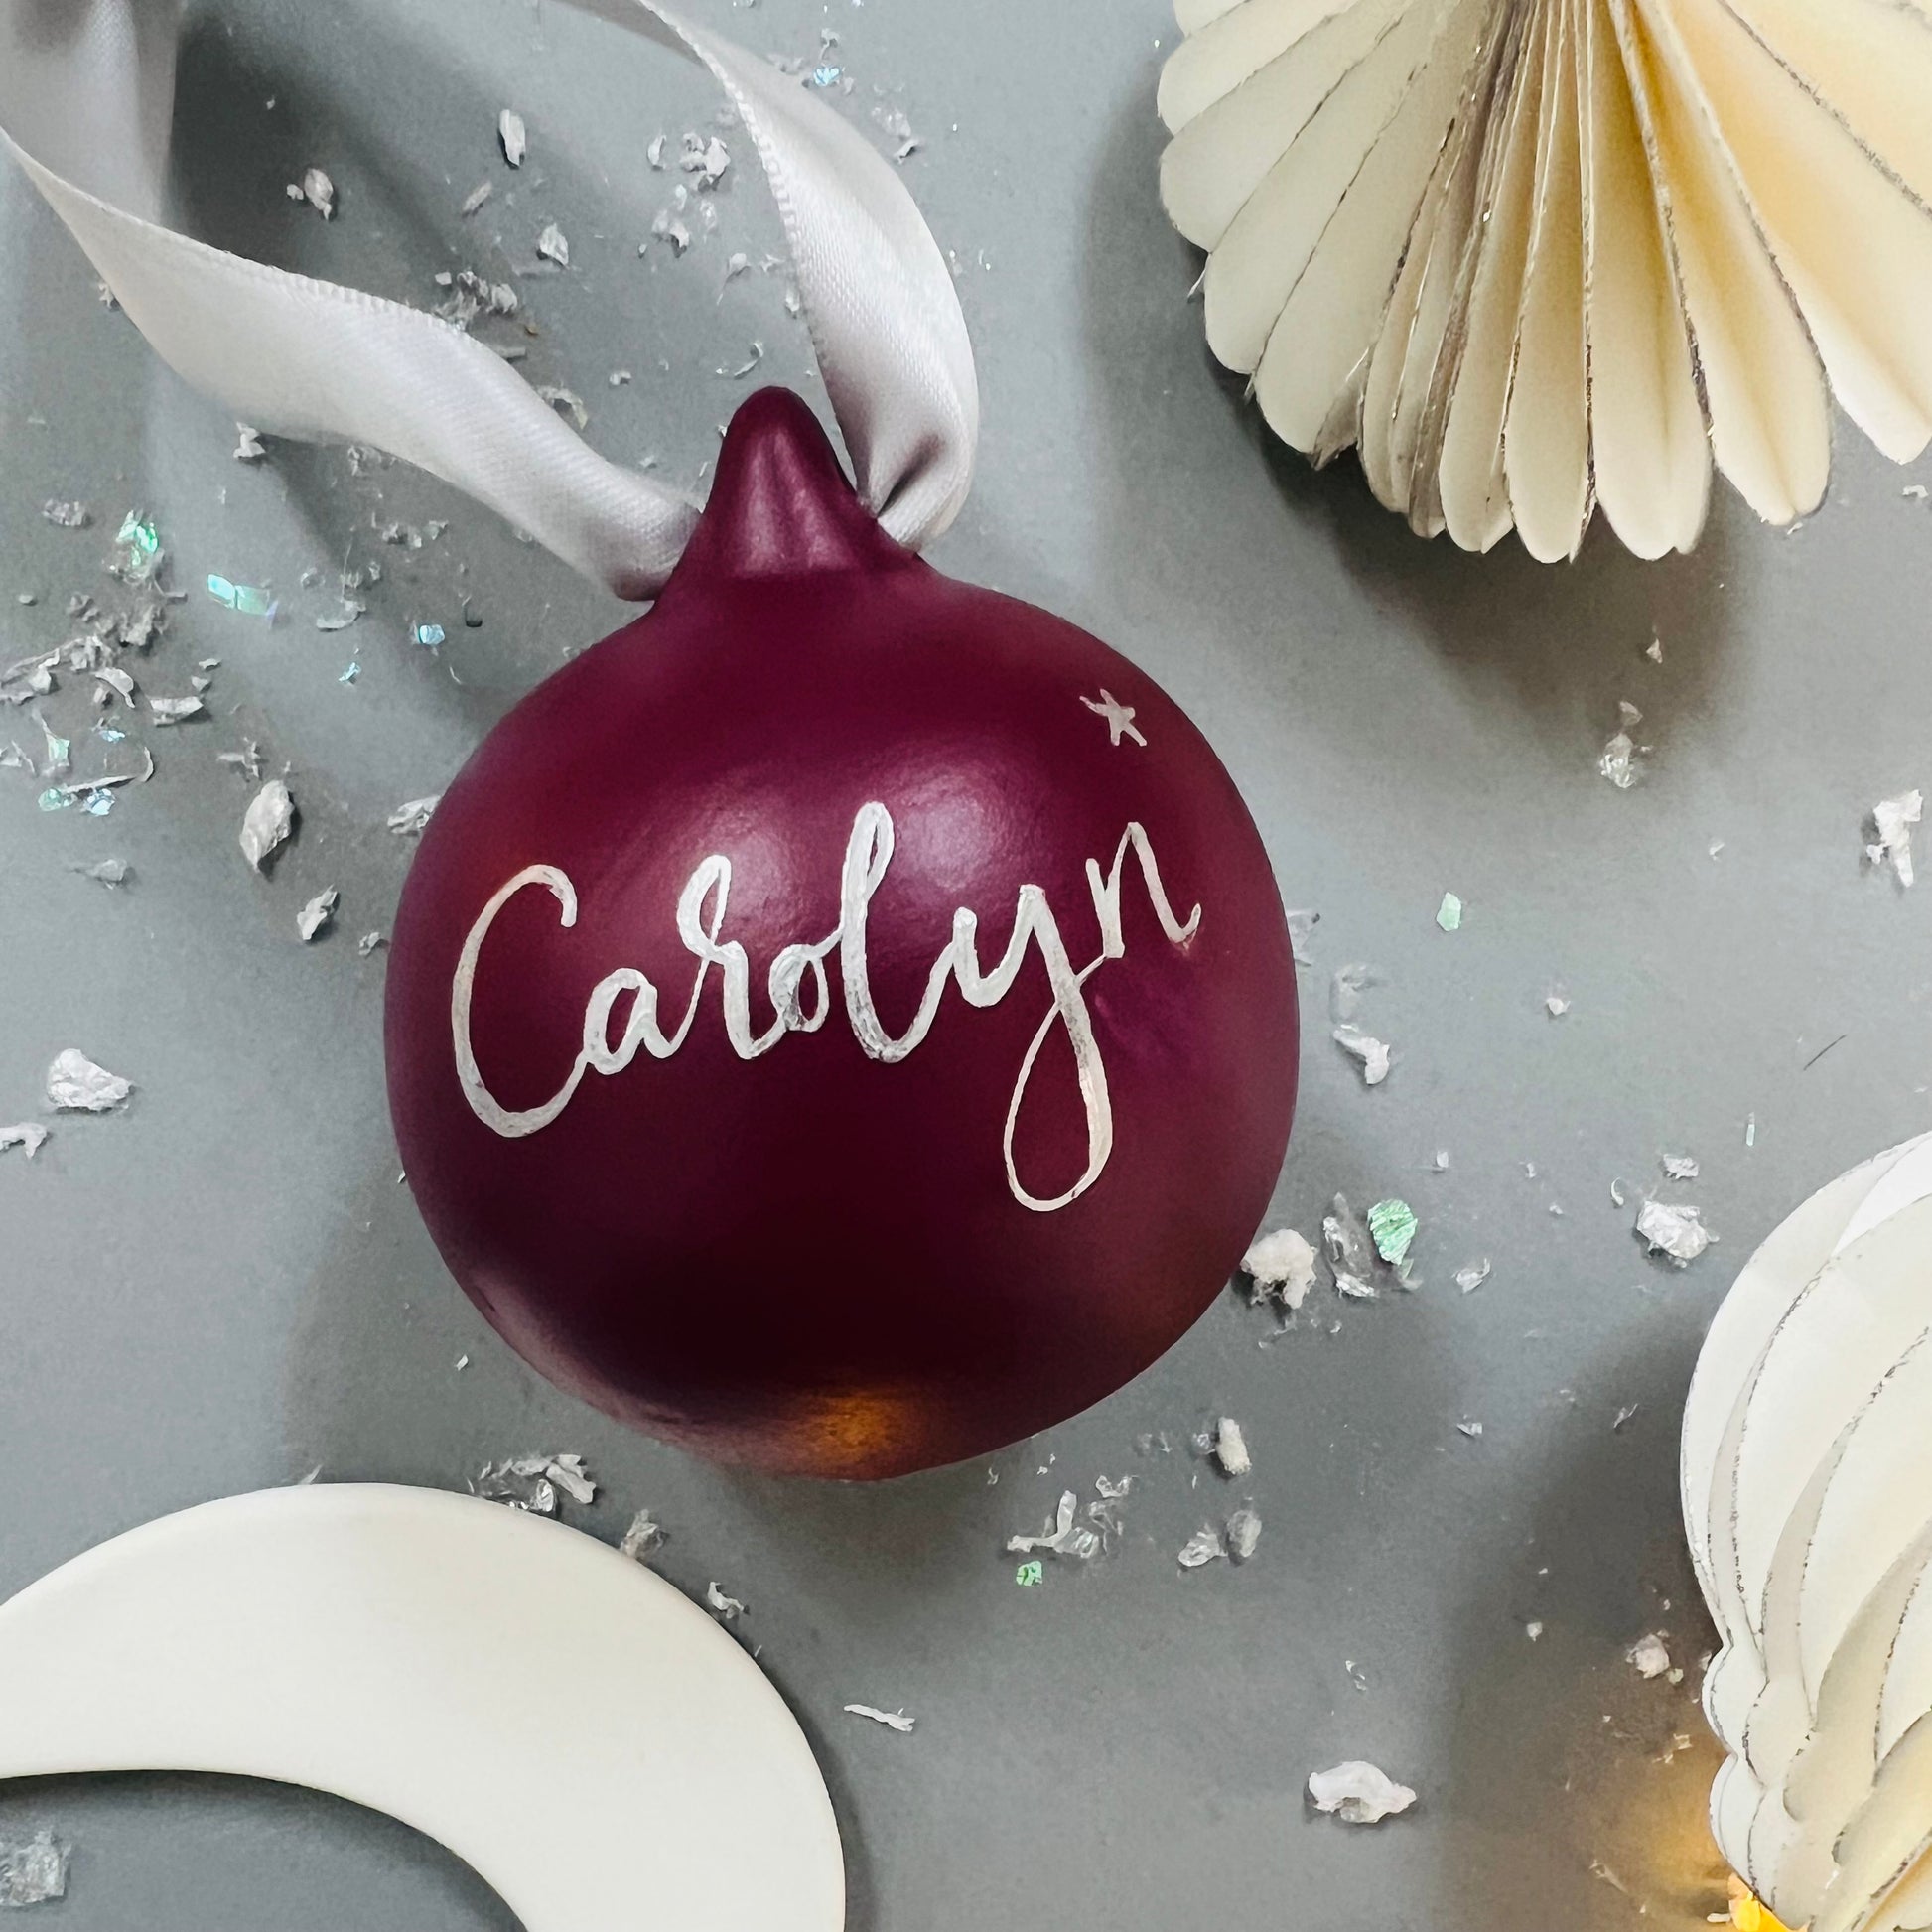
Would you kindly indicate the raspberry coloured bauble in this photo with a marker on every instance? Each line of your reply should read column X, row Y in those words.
column 845, row 1021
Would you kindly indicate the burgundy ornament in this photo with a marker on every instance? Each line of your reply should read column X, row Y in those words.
column 844, row 1021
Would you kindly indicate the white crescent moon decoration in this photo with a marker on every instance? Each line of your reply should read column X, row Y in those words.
column 431, row 1656
column 1530, row 255
column 1807, row 1454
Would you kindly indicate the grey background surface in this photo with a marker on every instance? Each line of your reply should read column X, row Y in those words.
column 225, row 1287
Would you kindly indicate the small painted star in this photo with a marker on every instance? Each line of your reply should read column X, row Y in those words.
column 1119, row 717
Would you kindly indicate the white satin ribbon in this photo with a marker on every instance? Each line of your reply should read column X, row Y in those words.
column 86, row 91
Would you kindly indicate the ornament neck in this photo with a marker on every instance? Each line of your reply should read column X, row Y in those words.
column 780, row 505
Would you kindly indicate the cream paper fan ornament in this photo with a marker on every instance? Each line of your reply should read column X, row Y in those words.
column 1532, row 255
column 1807, row 1477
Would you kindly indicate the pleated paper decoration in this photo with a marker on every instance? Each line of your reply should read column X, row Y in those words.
column 1807, row 1469
column 1530, row 255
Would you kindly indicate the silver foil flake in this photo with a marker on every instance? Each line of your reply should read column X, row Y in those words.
column 1358, row 1793
column 1282, row 1265
column 1888, row 832
column 1231, row 1447
column 726, row 1610
column 1203, row 1548
column 475, row 200
column 531, row 1483
column 515, row 138
column 553, row 245
column 76, row 1085
column 113, row 678
column 413, row 817
column 566, row 402
column 267, row 823
column 1350, row 1254
column 28, row 1133
column 1556, row 1006
column 1061, row 1536
column 110, row 872
column 66, row 515
column 1622, row 757
column 1347, row 988
column 1374, row 1054
column 892, row 1719
column 175, row 711
column 1301, row 930
column 1471, row 1278
column 642, row 1536
column 369, row 942
column 1679, row 1166
column 1678, row 1232
column 1243, row 1534
column 248, row 443
column 898, row 129
column 317, row 915
column 33, row 1870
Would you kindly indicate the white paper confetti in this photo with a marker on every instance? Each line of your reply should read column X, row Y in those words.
column 1281, row 1264
column 1231, row 1447
column 726, row 1610
column 1243, row 1534
column 514, row 137
column 1200, row 1549
column 1358, row 1793
column 1890, row 832
column 318, row 914
column 1374, row 1054
column 1650, row 1656
column 77, row 1085
column 317, row 191
column 28, row 1133
column 413, row 817
column 642, row 1536
column 267, row 823
column 554, row 246
column 892, row 1719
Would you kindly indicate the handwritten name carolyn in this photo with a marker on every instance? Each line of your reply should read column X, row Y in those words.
column 799, row 983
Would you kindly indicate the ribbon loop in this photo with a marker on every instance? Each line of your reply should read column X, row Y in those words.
column 86, row 88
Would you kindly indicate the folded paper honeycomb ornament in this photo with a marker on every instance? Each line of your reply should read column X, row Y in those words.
column 1528, row 256
column 1806, row 1443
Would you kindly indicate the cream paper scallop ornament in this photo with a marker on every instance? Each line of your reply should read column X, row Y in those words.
column 1807, row 1490
column 1532, row 255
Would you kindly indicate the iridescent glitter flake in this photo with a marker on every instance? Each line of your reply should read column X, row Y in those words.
column 1392, row 1223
